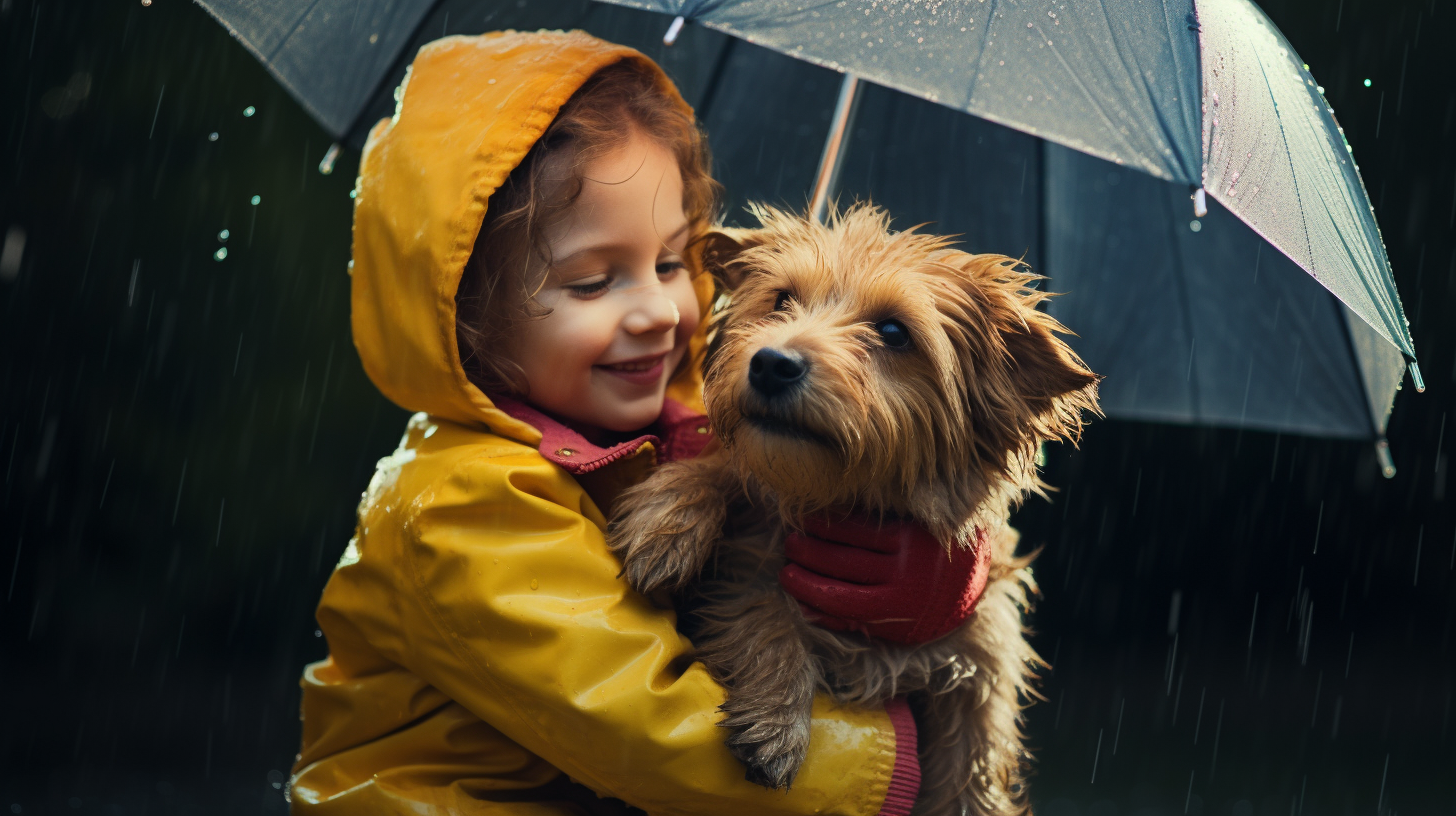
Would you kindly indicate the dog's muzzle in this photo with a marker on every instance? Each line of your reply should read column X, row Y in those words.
column 772, row 372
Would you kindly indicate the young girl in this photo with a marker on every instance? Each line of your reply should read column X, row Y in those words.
column 525, row 228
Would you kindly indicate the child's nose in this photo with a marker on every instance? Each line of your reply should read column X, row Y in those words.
column 652, row 311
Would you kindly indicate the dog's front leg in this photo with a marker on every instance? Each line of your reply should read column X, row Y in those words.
column 669, row 523
column 758, row 653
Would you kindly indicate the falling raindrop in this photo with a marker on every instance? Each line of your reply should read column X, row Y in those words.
column 212, row 137
column 1367, row 83
column 256, row 200
column 13, row 251
column 220, row 254
column 224, row 235
column 249, row 111
column 146, row 2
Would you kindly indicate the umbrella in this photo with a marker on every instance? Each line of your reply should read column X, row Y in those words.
column 1172, row 165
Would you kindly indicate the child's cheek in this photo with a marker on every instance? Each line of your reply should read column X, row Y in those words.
column 588, row 333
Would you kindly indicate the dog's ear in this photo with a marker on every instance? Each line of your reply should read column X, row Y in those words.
column 1042, row 367
column 722, row 246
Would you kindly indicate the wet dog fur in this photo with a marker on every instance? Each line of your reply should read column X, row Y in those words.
column 943, row 430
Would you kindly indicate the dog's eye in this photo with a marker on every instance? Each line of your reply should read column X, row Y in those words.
column 782, row 301
column 894, row 333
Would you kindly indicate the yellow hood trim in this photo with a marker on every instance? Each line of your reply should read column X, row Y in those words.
column 469, row 111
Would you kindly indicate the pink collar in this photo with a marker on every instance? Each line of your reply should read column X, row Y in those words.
column 678, row 433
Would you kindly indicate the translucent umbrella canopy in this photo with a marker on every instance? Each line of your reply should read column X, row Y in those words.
column 1117, row 112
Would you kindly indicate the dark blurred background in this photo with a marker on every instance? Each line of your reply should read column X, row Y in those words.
column 1240, row 622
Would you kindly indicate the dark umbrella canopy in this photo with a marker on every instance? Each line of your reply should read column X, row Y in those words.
column 1218, row 326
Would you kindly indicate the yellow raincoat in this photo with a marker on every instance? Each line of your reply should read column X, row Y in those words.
column 484, row 657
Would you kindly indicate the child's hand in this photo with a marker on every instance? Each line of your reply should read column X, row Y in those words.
column 890, row 580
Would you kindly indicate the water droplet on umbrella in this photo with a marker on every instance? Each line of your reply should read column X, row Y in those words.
column 212, row 137
column 1195, row 225
column 224, row 235
column 249, row 111
column 220, row 254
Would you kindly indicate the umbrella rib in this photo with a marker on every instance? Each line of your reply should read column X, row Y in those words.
column 1294, row 179
column 1289, row 158
column 1111, row 126
column 1122, row 55
column 1376, row 296
column 284, row 42
column 1191, row 172
column 293, row 90
column 985, row 38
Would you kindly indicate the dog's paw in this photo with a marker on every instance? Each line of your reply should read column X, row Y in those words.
column 650, row 562
column 771, row 746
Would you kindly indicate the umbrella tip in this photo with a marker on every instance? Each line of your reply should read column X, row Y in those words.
column 1415, row 371
column 327, row 165
column 673, row 30
column 1382, row 453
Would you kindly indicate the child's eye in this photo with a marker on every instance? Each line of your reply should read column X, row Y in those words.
column 589, row 289
column 670, row 267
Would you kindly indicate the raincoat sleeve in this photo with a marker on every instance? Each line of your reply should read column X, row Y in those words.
column 513, row 608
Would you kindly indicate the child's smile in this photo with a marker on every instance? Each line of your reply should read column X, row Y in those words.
column 622, row 306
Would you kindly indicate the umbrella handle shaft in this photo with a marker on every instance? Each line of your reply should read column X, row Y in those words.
column 833, row 158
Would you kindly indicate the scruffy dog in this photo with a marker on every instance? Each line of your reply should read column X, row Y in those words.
column 886, row 372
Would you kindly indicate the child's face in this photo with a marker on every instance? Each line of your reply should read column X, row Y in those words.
column 622, row 303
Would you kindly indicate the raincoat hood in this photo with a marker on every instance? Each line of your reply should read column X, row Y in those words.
column 468, row 112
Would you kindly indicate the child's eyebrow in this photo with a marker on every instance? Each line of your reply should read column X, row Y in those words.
column 586, row 250
column 678, row 233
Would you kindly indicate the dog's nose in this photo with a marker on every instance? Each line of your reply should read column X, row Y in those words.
column 772, row 372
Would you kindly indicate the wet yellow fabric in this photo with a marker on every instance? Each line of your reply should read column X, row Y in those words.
column 482, row 651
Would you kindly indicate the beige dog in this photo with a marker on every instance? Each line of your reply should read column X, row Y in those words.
column 887, row 372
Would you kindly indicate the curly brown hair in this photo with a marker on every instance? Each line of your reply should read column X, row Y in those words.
column 511, row 256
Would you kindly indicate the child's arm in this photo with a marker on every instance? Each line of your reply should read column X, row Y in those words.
column 510, row 604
